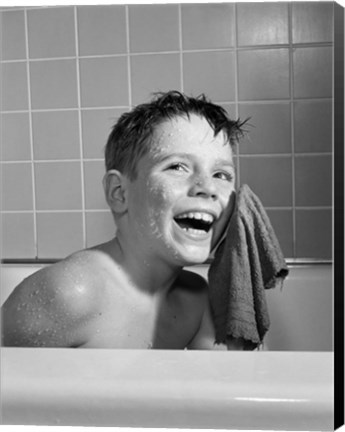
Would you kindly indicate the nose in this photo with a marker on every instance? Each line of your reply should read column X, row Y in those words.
column 204, row 186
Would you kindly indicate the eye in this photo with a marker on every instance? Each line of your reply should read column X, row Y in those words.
column 177, row 167
column 223, row 175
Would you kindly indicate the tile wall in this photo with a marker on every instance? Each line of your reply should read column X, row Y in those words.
column 69, row 72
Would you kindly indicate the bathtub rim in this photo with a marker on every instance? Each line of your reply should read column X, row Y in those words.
column 271, row 386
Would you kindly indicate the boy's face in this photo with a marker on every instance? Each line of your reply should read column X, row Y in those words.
column 181, row 194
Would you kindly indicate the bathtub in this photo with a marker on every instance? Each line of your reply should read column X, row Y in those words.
column 287, row 387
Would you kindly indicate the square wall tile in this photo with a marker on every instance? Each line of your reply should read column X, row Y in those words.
column 269, row 128
column 312, row 22
column 15, row 137
column 262, row 23
column 58, row 185
column 104, row 81
column 96, row 127
column 94, row 193
column 59, row 234
column 102, row 29
column 271, row 77
column 51, row 32
column 13, row 35
column 16, row 187
column 153, row 28
column 18, row 239
column 154, row 73
column 270, row 178
column 100, row 228
column 14, row 86
column 212, row 73
column 313, row 126
column 313, row 72
column 314, row 234
column 53, row 84
column 56, row 135
column 209, row 25
column 313, row 180
column 282, row 224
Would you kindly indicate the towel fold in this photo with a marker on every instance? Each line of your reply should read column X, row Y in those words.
column 247, row 261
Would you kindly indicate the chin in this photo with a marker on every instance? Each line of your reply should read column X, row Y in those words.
column 188, row 250
column 195, row 256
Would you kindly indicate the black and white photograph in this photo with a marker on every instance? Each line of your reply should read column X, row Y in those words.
column 172, row 227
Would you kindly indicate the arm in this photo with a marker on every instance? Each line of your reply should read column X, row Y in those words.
column 44, row 311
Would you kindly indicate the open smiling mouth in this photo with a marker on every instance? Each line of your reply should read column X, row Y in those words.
column 195, row 223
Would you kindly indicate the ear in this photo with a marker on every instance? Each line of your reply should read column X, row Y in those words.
column 114, row 184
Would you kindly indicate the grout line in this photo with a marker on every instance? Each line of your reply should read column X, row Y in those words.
column 129, row 66
column 82, row 174
column 293, row 182
column 105, row 210
column 39, row 161
column 181, row 45
column 31, row 137
column 17, row 211
column 44, row 110
column 285, row 155
column 310, row 208
column 189, row 51
column 23, row 60
column 251, row 102
column 242, row 156
column 42, row 211
column 27, row 161
column 285, row 101
column 236, row 90
column 35, row 7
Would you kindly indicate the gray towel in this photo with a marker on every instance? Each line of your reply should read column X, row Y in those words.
column 247, row 261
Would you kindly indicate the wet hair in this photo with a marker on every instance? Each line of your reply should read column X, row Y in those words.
column 131, row 136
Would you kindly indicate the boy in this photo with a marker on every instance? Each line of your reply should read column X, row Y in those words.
column 169, row 183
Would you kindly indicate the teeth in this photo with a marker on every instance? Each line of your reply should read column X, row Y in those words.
column 194, row 231
column 206, row 217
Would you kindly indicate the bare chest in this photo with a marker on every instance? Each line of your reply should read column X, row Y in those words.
column 143, row 323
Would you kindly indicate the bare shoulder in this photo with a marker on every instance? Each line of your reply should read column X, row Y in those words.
column 72, row 282
column 76, row 280
column 47, row 307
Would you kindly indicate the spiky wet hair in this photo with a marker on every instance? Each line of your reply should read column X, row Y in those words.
column 131, row 136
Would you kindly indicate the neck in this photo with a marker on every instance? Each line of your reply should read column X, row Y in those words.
column 146, row 272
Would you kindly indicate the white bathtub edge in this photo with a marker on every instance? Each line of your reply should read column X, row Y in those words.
column 131, row 388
